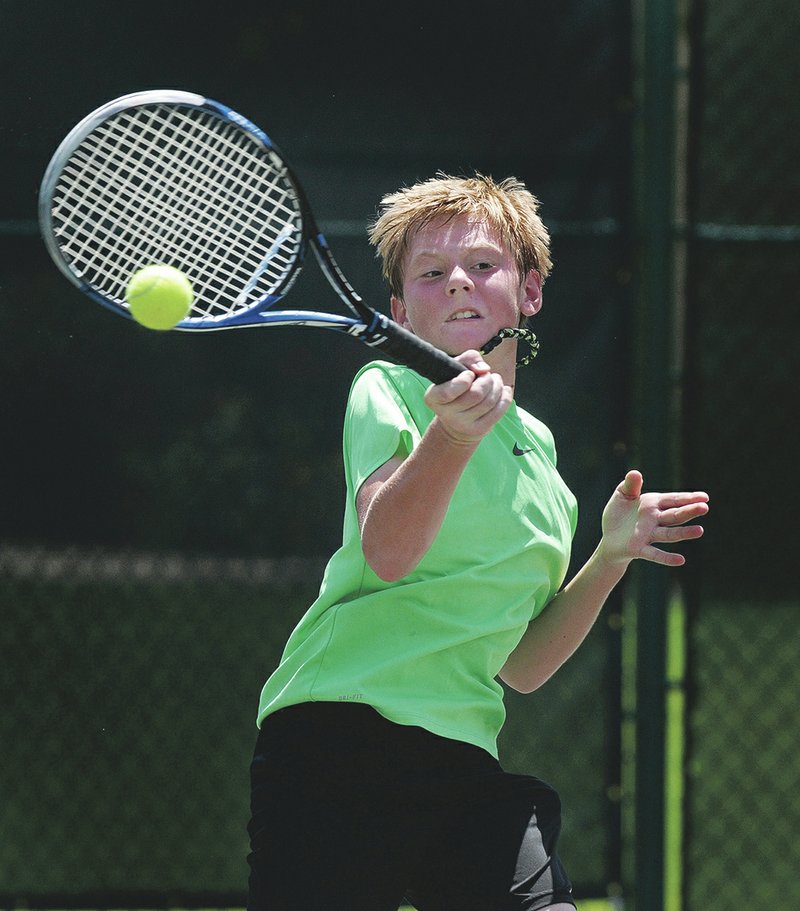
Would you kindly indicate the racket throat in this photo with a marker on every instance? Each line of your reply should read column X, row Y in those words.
column 373, row 333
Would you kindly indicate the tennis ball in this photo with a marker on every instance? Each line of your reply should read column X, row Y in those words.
column 159, row 297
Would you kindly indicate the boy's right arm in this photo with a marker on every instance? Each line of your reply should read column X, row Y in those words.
column 402, row 505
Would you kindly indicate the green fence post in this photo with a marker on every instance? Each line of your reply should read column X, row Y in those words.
column 656, row 409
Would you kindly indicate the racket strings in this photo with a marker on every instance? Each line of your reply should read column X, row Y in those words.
column 191, row 190
column 191, row 186
column 185, row 187
column 210, row 248
column 117, row 183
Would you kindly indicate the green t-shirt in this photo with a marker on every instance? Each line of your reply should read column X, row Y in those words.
column 426, row 650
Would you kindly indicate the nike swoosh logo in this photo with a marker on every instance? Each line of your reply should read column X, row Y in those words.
column 520, row 452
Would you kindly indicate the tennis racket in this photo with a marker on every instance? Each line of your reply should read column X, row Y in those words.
column 169, row 177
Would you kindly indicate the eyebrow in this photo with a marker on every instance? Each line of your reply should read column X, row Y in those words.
column 476, row 250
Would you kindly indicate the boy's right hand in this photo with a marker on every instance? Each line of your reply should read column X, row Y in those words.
column 469, row 405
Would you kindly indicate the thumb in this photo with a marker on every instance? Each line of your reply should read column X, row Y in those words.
column 631, row 487
column 473, row 360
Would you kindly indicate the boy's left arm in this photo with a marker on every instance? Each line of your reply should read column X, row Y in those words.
column 633, row 524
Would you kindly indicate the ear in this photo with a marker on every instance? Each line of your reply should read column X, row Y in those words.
column 532, row 291
column 399, row 312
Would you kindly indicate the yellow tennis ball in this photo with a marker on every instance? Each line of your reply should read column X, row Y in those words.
column 159, row 297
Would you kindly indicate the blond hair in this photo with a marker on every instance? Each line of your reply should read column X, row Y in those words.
column 508, row 207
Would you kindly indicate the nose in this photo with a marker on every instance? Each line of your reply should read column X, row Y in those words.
column 459, row 280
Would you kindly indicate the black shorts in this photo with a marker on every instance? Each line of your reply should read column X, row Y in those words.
column 351, row 812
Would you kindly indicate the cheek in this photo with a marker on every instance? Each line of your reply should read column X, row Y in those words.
column 418, row 305
column 504, row 291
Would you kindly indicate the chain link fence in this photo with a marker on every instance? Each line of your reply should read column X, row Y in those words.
column 129, row 692
column 742, row 775
column 129, row 688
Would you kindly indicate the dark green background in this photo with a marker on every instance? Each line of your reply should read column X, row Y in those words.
column 136, row 466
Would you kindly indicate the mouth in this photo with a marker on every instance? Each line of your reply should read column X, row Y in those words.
column 462, row 314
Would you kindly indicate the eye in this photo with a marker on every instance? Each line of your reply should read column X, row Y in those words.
column 483, row 266
column 432, row 273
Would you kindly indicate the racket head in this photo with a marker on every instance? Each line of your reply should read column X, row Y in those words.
column 173, row 177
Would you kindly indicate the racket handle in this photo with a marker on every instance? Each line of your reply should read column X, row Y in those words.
column 406, row 348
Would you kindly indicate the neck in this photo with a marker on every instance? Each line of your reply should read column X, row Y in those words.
column 503, row 360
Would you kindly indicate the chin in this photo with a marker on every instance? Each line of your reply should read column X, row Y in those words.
column 472, row 339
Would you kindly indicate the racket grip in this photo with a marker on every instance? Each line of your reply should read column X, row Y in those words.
column 406, row 348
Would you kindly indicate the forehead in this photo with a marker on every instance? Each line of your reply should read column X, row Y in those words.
column 447, row 235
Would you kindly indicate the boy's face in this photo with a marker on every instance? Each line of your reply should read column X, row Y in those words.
column 461, row 286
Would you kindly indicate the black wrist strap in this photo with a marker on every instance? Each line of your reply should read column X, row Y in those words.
column 523, row 335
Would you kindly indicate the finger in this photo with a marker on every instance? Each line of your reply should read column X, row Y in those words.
column 673, row 535
column 474, row 361
column 662, row 557
column 465, row 391
column 680, row 515
column 483, row 394
column 481, row 413
column 493, row 406
column 682, row 498
column 450, row 390
column 476, row 423
column 631, row 486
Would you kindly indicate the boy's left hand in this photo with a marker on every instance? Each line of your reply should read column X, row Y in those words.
column 633, row 522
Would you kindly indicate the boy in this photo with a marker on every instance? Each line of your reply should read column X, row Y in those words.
column 375, row 777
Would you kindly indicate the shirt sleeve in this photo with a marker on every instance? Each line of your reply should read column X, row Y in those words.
column 377, row 426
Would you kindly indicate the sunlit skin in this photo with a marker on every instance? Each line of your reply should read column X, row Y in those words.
column 461, row 286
